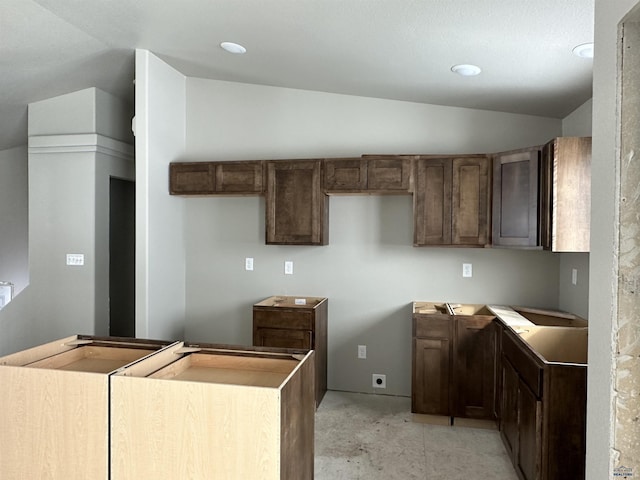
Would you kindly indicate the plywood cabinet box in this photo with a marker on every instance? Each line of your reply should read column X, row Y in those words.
column 297, row 210
column 105, row 408
column 214, row 412
column 295, row 322
column 380, row 174
column 216, row 178
column 54, row 407
column 451, row 201
column 453, row 366
column 543, row 422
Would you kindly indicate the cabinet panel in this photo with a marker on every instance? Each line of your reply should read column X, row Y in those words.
column 474, row 368
column 282, row 318
column 432, row 202
column 529, row 454
column 296, row 208
column 345, row 175
column 195, row 178
column 389, row 174
column 238, row 177
column 566, row 194
column 431, row 373
column 515, row 198
column 509, row 408
column 470, row 201
column 283, row 338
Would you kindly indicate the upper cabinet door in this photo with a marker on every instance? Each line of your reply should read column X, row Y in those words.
column 242, row 178
column 191, row 178
column 432, row 202
column 369, row 174
column 216, row 178
column 470, row 201
column 389, row 174
column 296, row 208
column 345, row 175
column 515, row 198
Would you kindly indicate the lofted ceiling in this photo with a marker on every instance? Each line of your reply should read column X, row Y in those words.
column 396, row 49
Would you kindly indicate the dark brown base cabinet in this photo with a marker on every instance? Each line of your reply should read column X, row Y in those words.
column 543, row 413
column 453, row 360
column 295, row 322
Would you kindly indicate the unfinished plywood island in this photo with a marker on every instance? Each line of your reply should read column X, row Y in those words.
column 205, row 411
column 54, row 407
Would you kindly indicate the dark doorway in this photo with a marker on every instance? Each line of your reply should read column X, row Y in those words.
column 122, row 258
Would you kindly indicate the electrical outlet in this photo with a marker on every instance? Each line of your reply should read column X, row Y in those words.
column 378, row 380
column 362, row 351
column 467, row 270
column 248, row 263
column 288, row 267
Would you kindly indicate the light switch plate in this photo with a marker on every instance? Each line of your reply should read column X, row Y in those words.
column 467, row 270
column 75, row 259
column 574, row 276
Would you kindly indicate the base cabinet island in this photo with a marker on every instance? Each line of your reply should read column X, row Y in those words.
column 54, row 408
column 118, row 409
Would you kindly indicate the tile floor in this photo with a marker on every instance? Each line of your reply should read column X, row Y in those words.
column 360, row 436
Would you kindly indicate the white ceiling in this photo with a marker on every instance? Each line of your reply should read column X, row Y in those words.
column 397, row 49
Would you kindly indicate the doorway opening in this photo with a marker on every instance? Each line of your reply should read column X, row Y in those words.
column 122, row 259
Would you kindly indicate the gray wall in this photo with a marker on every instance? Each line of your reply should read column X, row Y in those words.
column 14, row 218
column 369, row 271
column 69, row 168
column 575, row 298
column 160, row 137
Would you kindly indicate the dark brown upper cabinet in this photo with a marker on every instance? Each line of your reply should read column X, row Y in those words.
column 515, row 198
column 451, row 201
column 566, row 194
column 216, row 178
column 381, row 174
column 297, row 209
column 542, row 196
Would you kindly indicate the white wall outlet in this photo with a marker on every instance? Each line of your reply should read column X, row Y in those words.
column 574, row 276
column 362, row 351
column 467, row 270
column 75, row 259
column 248, row 263
column 288, row 267
column 378, row 380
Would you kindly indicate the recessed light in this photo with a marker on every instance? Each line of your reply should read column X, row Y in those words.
column 466, row 70
column 233, row 48
column 584, row 51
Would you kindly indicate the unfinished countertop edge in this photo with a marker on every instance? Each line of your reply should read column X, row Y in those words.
column 509, row 316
